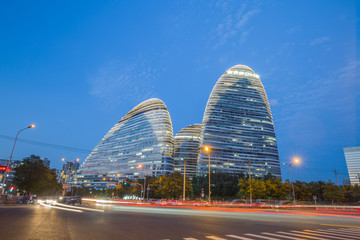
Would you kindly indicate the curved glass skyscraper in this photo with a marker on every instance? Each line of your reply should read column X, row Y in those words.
column 186, row 149
column 143, row 136
column 238, row 126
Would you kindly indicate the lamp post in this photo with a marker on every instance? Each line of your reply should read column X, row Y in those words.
column 140, row 166
column 9, row 162
column 207, row 149
column 295, row 161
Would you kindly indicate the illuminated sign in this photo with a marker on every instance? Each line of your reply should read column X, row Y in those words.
column 241, row 73
column 4, row 168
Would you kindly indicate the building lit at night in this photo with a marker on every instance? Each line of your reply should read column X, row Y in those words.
column 143, row 137
column 238, row 126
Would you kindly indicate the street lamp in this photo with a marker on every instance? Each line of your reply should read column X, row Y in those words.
column 140, row 166
column 295, row 161
column 9, row 162
column 207, row 150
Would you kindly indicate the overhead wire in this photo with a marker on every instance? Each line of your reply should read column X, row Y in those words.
column 48, row 145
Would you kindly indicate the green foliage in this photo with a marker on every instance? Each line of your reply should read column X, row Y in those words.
column 333, row 193
column 35, row 177
column 171, row 186
column 223, row 185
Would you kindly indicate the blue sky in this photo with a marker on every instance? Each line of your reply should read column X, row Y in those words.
column 75, row 68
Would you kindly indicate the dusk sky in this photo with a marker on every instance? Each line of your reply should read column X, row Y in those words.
column 74, row 68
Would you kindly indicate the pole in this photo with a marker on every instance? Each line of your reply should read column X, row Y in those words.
column 9, row 162
column 144, row 185
column 250, row 183
column 336, row 173
column 184, row 182
column 209, row 181
column 292, row 183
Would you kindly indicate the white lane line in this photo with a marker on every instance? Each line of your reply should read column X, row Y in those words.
column 259, row 236
column 190, row 239
column 299, row 235
column 321, row 234
column 357, row 230
column 238, row 237
column 82, row 208
column 215, row 238
column 340, row 233
column 281, row 236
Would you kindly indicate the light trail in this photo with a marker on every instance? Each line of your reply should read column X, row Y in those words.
column 82, row 208
column 61, row 208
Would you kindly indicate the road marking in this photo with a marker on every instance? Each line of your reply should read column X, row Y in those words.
column 189, row 238
column 299, row 235
column 281, row 236
column 238, row 237
column 263, row 220
column 321, row 234
column 259, row 236
column 339, row 226
column 350, row 230
column 339, row 232
column 215, row 238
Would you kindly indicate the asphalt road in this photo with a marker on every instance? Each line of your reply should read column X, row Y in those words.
column 131, row 222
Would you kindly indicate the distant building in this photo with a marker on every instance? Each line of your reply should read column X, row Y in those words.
column 186, row 149
column 14, row 164
column 69, row 170
column 238, row 126
column 352, row 157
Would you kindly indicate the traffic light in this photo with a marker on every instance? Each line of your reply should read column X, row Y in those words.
column 12, row 189
column 202, row 192
column 142, row 190
column 125, row 182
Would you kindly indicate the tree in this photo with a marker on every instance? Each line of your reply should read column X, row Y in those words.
column 333, row 192
column 171, row 186
column 35, row 177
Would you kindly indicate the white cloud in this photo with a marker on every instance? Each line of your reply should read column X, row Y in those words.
column 320, row 40
column 234, row 26
column 273, row 102
column 116, row 83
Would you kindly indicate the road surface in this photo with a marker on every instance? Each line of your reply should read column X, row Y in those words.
column 132, row 222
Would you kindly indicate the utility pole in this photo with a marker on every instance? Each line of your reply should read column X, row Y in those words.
column 336, row 173
column 250, row 182
column 184, row 184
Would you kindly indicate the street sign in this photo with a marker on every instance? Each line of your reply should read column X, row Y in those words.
column 111, row 185
column 147, row 189
column 133, row 184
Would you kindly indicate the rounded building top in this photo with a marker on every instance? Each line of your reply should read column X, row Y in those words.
column 147, row 105
column 242, row 67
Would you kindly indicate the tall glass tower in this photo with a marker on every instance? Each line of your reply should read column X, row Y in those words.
column 144, row 136
column 238, row 126
column 186, row 149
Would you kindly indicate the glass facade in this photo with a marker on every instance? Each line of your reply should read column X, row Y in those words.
column 352, row 156
column 186, row 149
column 143, row 136
column 238, row 126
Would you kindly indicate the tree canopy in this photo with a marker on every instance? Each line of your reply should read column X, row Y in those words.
column 34, row 177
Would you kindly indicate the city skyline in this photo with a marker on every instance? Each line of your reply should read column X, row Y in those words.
column 76, row 79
